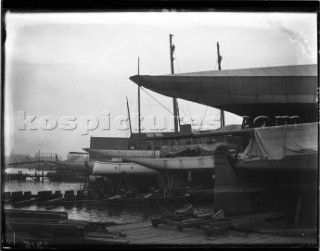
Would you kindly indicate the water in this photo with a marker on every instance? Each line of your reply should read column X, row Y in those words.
column 127, row 213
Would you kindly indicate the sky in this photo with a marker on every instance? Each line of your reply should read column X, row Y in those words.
column 70, row 71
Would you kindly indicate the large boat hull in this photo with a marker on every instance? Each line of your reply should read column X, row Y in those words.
column 284, row 90
column 288, row 185
column 288, row 173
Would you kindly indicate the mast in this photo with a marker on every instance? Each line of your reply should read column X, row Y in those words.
column 139, row 116
column 39, row 159
column 222, row 120
column 12, row 156
column 175, row 104
column 129, row 116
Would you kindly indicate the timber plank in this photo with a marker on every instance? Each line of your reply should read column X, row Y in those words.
column 157, row 239
column 224, row 240
column 129, row 226
column 286, row 240
column 150, row 235
column 186, row 240
column 250, row 240
column 153, row 231
column 145, row 233
column 267, row 239
column 168, row 237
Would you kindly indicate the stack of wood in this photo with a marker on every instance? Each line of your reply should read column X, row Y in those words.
column 36, row 229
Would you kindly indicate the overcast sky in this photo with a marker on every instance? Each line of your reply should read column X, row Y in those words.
column 79, row 64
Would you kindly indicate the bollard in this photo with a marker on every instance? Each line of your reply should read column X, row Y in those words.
column 90, row 194
column 7, row 195
column 58, row 194
column 45, row 195
column 16, row 196
column 27, row 195
column 69, row 195
column 79, row 194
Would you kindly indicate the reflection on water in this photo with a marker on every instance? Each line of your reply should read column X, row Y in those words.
column 95, row 212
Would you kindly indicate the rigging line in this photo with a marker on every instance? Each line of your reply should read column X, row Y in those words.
column 144, row 67
column 156, row 100
column 183, row 111
column 149, row 105
column 204, row 115
column 188, row 108
column 176, row 59
column 226, row 61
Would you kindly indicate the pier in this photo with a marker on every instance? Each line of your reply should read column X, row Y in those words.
column 145, row 234
column 36, row 229
column 42, row 229
column 72, row 197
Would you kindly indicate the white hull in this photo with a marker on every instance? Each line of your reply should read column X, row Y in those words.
column 116, row 168
column 177, row 163
column 123, row 153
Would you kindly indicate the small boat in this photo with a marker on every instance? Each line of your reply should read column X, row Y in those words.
column 181, row 173
column 127, row 175
column 195, row 163
column 117, row 168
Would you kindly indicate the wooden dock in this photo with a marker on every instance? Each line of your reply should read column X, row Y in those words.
column 145, row 234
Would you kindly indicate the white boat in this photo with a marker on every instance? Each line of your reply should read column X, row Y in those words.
column 126, row 175
column 107, row 153
column 178, row 163
column 182, row 172
column 117, row 168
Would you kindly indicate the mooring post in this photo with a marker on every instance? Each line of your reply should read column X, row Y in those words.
column 297, row 211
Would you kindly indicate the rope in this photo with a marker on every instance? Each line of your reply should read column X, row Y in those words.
column 183, row 111
column 188, row 108
column 177, row 65
column 204, row 116
column 156, row 100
